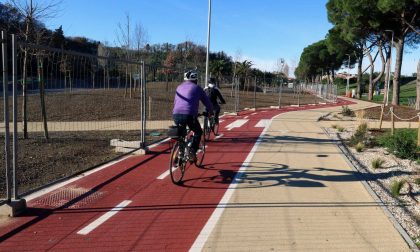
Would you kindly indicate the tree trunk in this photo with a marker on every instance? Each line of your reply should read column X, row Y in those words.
column 25, row 96
column 42, row 96
column 372, row 69
column 382, row 68
column 399, row 46
column 359, row 76
column 418, row 87
column 388, row 75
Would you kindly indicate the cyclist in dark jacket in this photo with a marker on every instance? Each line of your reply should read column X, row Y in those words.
column 213, row 92
column 187, row 98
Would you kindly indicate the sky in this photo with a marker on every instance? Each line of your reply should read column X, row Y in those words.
column 258, row 30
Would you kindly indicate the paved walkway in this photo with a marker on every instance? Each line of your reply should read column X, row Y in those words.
column 299, row 194
column 291, row 191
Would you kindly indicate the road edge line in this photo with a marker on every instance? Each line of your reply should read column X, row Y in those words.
column 212, row 221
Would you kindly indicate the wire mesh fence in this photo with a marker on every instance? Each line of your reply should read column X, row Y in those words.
column 70, row 107
column 266, row 93
column 161, row 84
column 73, row 108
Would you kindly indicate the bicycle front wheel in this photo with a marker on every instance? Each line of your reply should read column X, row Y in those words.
column 201, row 151
column 176, row 164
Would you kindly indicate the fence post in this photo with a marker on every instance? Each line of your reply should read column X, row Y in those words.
column 143, row 107
column 392, row 120
column 280, row 91
column 382, row 116
column 418, row 132
column 15, row 108
column 150, row 108
column 255, row 92
column 6, row 116
column 299, row 88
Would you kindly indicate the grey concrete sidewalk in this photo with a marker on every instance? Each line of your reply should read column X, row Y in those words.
column 300, row 194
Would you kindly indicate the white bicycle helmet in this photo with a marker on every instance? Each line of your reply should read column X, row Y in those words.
column 191, row 75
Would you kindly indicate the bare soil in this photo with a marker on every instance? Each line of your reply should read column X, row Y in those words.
column 65, row 153
column 402, row 112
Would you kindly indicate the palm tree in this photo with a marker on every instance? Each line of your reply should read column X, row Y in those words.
column 242, row 71
column 217, row 68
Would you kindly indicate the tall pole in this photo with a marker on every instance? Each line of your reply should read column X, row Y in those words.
column 15, row 107
column 389, row 66
column 348, row 76
column 6, row 117
column 208, row 45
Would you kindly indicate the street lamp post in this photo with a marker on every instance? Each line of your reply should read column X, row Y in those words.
column 208, row 45
column 348, row 76
column 388, row 73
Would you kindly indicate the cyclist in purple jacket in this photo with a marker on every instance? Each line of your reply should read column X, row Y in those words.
column 187, row 97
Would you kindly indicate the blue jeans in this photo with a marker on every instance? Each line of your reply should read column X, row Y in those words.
column 193, row 124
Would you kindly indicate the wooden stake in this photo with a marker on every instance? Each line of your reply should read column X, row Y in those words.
column 392, row 119
column 382, row 116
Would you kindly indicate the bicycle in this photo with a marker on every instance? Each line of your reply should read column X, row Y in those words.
column 180, row 153
column 209, row 126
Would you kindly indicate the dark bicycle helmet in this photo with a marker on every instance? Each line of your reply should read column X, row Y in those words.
column 191, row 75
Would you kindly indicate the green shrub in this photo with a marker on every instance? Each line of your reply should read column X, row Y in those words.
column 396, row 186
column 403, row 143
column 359, row 147
column 417, row 181
column 340, row 129
column 360, row 135
column 377, row 163
column 346, row 111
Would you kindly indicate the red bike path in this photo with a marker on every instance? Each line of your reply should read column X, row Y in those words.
column 159, row 215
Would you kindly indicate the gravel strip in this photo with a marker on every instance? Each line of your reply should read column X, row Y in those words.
column 406, row 207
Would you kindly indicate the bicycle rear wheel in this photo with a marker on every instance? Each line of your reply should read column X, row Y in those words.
column 201, row 151
column 176, row 164
column 206, row 128
column 216, row 128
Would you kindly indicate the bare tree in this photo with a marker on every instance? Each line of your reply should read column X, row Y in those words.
column 140, row 39
column 373, row 81
column 33, row 13
column 103, row 53
column 124, row 39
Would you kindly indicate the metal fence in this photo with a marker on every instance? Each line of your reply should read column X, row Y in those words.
column 70, row 109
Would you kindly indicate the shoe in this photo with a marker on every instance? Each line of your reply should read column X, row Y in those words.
column 192, row 156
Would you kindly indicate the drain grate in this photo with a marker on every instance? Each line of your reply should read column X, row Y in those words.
column 80, row 196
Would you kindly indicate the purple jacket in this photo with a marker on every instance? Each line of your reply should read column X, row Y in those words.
column 187, row 98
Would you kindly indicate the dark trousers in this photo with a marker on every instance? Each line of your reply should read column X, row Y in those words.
column 193, row 124
column 216, row 110
column 216, row 113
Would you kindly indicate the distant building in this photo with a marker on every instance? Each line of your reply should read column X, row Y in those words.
column 286, row 70
column 344, row 75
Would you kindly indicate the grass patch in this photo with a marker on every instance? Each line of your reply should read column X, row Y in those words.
column 377, row 163
column 403, row 143
column 359, row 147
column 417, row 181
column 360, row 135
column 396, row 186
column 346, row 111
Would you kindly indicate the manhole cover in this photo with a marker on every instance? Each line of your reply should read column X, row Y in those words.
column 75, row 197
